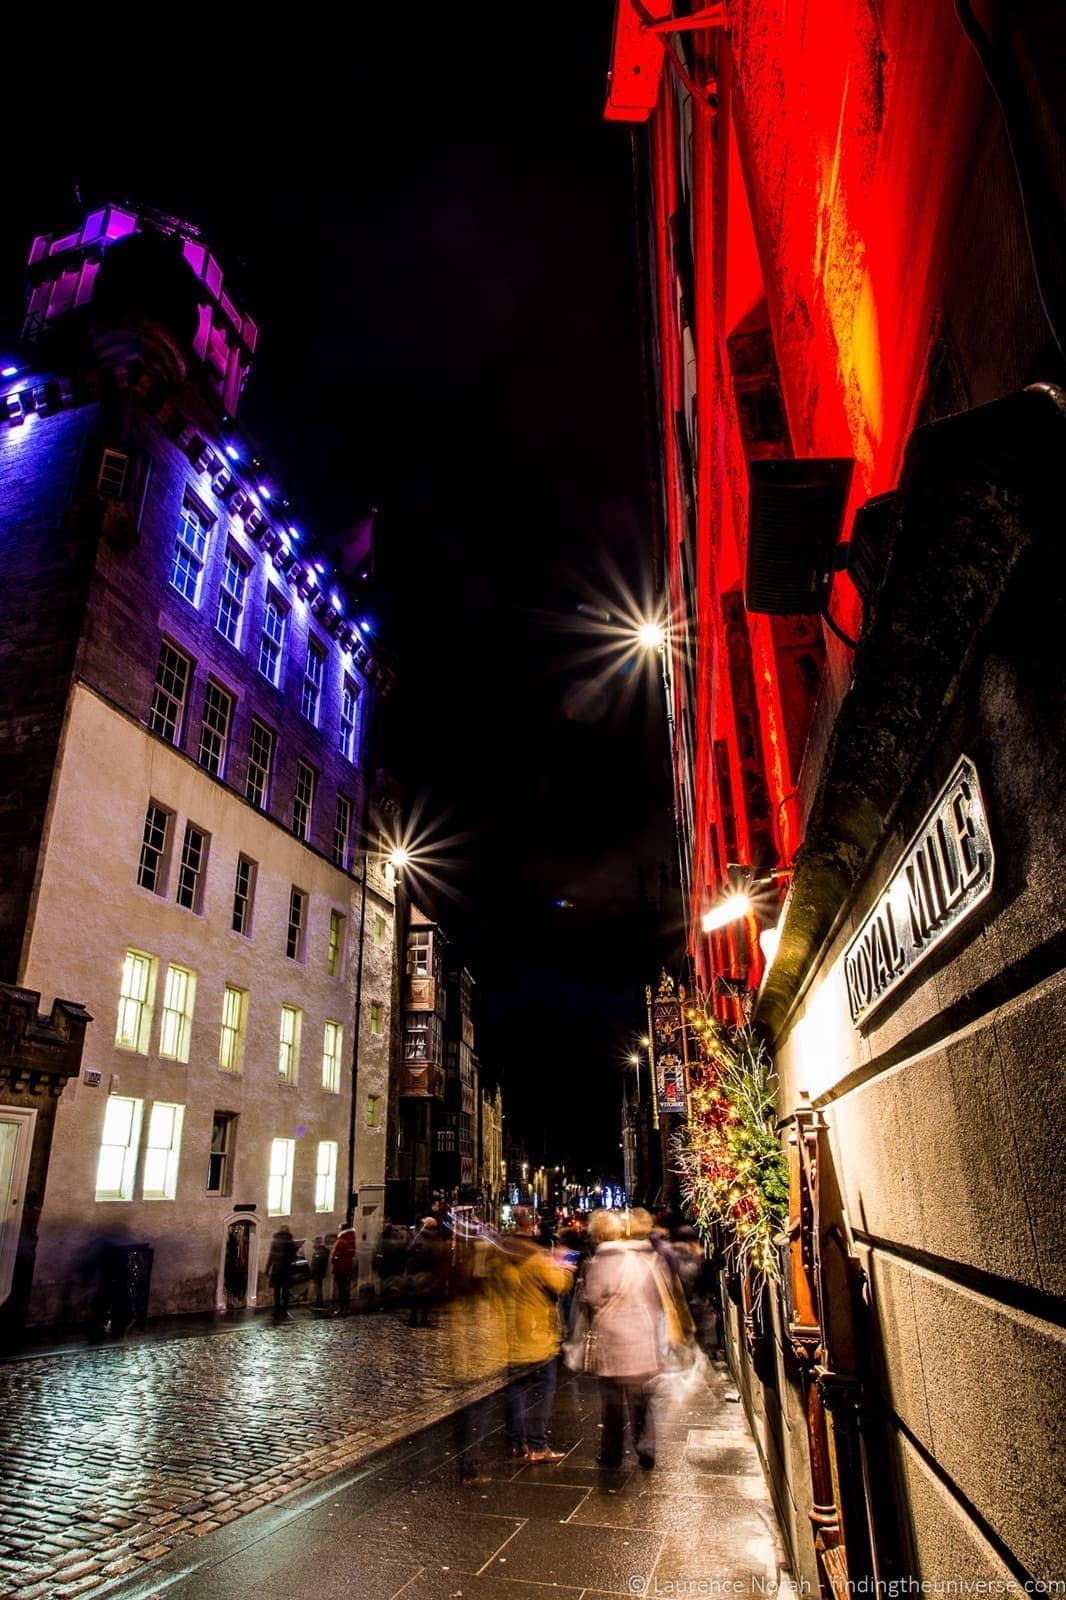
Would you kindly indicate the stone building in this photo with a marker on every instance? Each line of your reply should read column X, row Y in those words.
column 187, row 696
column 457, row 1165
column 851, row 229
column 416, row 1109
column 490, row 1149
column 445, row 1131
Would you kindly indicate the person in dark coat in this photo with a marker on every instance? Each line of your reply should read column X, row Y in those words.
column 424, row 1271
column 320, row 1255
column 279, row 1271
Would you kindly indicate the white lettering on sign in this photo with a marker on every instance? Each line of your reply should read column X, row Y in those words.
column 944, row 873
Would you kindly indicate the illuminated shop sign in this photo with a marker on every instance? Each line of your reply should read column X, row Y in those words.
column 944, row 874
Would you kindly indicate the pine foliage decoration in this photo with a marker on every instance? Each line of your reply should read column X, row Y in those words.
column 733, row 1169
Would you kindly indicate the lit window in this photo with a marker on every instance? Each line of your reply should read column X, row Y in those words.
column 260, row 760
column 380, row 929
column 168, row 696
column 190, row 874
column 272, row 641
column 136, row 999
column 161, row 1152
column 116, row 1166
column 294, row 941
column 376, row 1015
column 243, row 894
column 220, row 1159
column 303, row 800
column 372, row 1110
column 332, row 1040
column 150, row 868
column 314, row 670
column 421, row 1039
column 349, row 696
column 231, row 1039
column 289, row 1045
column 214, row 730
column 342, row 827
column 279, row 1186
column 418, row 953
column 335, row 951
column 326, row 1175
column 190, row 546
column 179, row 997
column 231, row 597
column 111, row 479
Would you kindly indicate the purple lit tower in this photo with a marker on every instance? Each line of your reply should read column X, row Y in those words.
column 186, row 701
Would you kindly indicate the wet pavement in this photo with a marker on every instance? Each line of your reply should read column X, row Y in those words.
column 114, row 1455
column 311, row 1461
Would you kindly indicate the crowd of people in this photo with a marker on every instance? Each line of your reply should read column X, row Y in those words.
column 613, row 1299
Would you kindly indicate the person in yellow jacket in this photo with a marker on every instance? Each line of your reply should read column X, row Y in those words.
column 533, row 1281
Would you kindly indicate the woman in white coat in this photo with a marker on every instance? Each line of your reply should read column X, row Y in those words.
column 625, row 1302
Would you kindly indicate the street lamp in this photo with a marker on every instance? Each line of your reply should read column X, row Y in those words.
column 731, row 909
column 742, row 892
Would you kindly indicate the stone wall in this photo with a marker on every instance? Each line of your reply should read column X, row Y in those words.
column 945, row 1110
column 44, row 574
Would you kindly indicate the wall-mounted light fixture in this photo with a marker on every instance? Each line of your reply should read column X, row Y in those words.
column 740, row 896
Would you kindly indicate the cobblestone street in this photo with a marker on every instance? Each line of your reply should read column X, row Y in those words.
column 115, row 1455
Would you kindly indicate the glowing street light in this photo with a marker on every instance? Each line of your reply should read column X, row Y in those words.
column 399, row 858
column 731, row 909
column 651, row 635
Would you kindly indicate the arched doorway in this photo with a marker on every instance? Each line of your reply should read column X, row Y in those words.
column 238, row 1269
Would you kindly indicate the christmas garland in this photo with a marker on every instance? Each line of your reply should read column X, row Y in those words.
column 733, row 1170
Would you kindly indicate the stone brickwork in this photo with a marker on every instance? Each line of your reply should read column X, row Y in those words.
column 101, row 450
column 945, row 1109
column 38, row 1057
column 44, row 574
column 115, row 1456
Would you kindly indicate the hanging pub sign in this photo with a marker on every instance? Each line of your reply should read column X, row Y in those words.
column 668, row 1047
column 944, row 874
column 670, row 1082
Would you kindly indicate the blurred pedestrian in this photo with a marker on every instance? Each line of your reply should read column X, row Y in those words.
column 320, row 1254
column 642, row 1225
column 534, row 1280
column 342, row 1260
column 424, row 1271
column 573, row 1250
column 279, row 1271
column 691, row 1261
column 626, row 1303
column 478, row 1335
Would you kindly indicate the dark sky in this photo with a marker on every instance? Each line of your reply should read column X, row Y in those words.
column 437, row 238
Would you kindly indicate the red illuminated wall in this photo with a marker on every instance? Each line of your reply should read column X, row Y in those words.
column 804, row 170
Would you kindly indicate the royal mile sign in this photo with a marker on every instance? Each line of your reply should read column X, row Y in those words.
column 944, row 874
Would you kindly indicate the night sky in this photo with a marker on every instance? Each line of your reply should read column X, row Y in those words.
column 438, row 242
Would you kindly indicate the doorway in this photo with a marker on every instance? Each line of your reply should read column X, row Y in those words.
column 16, row 1143
column 239, row 1267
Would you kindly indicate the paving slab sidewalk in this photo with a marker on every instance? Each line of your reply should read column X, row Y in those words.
column 400, row 1526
